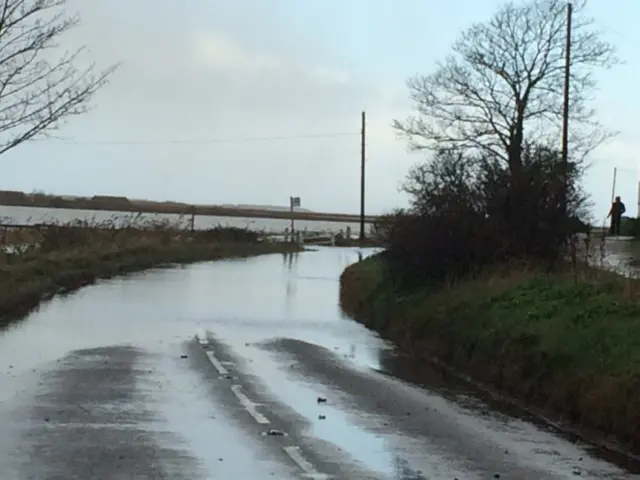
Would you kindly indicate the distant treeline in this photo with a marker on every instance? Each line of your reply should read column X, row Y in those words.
column 97, row 202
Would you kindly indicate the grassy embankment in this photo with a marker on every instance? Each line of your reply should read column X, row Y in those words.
column 568, row 344
column 55, row 260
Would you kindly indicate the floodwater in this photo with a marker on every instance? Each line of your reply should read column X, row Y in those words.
column 246, row 369
column 622, row 254
column 619, row 254
column 31, row 215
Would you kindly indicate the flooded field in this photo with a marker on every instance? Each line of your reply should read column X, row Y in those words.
column 619, row 254
column 30, row 216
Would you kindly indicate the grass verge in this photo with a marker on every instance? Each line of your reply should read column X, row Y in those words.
column 68, row 258
column 565, row 343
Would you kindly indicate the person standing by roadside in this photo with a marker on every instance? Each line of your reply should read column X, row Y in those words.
column 616, row 212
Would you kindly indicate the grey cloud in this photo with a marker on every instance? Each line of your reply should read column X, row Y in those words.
column 188, row 77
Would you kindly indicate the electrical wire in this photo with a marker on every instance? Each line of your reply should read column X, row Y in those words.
column 205, row 141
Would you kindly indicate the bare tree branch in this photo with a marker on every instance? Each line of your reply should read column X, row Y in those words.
column 38, row 91
column 505, row 80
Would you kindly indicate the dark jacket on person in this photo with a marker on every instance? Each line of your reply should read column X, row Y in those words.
column 617, row 210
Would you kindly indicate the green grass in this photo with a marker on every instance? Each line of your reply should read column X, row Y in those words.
column 589, row 322
column 568, row 343
column 585, row 326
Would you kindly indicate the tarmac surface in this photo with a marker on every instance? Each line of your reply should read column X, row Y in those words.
column 247, row 369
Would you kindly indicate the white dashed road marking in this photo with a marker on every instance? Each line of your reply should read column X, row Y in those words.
column 204, row 341
column 249, row 405
column 308, row 469
column 218, row 366
column 292, row 451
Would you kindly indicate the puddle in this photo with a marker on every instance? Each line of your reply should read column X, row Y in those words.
column 337, row 428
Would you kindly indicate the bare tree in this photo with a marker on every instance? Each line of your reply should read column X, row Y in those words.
column 40, row 87
column 502, row 86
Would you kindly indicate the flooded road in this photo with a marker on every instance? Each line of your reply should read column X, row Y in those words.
column 244, row 369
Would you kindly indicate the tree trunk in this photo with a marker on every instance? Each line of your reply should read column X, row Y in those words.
column 515, row 143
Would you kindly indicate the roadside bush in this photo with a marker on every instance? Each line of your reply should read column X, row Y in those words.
column 470, row 211
column 227, row 234
column 383, row 225
column 630, row 227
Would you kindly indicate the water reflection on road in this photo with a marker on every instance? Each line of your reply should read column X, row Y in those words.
column 620, row 254
column 120, row 359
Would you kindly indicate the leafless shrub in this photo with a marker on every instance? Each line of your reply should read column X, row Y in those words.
column 469, row 212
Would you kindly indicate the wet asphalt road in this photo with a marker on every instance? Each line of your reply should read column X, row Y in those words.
column 214, row 371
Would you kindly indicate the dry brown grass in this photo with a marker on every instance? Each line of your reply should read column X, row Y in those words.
column 36, row 263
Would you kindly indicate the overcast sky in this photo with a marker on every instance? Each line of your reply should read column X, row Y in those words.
column 217, row 74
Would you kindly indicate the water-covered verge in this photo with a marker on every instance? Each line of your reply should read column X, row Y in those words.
column 567, row 346
column 48, row 268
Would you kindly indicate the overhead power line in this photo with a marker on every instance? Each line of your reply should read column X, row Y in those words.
column 205, row 140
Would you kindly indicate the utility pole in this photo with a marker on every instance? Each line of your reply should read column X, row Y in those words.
column 362, row 183
column 613, row 195
column 291, row 205
column 565, row 112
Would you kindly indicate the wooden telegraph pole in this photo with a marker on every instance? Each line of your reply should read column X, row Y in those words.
column 294, row 202
column 565, row 112
column 362, row 177
column 292, row 219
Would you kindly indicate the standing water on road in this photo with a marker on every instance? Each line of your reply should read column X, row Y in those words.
column 243, row 369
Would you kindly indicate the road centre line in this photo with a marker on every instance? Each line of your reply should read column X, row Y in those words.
column 216, row 363
column 292, row 451
column 204, row 341
column 249, row 406
column 309, row 470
